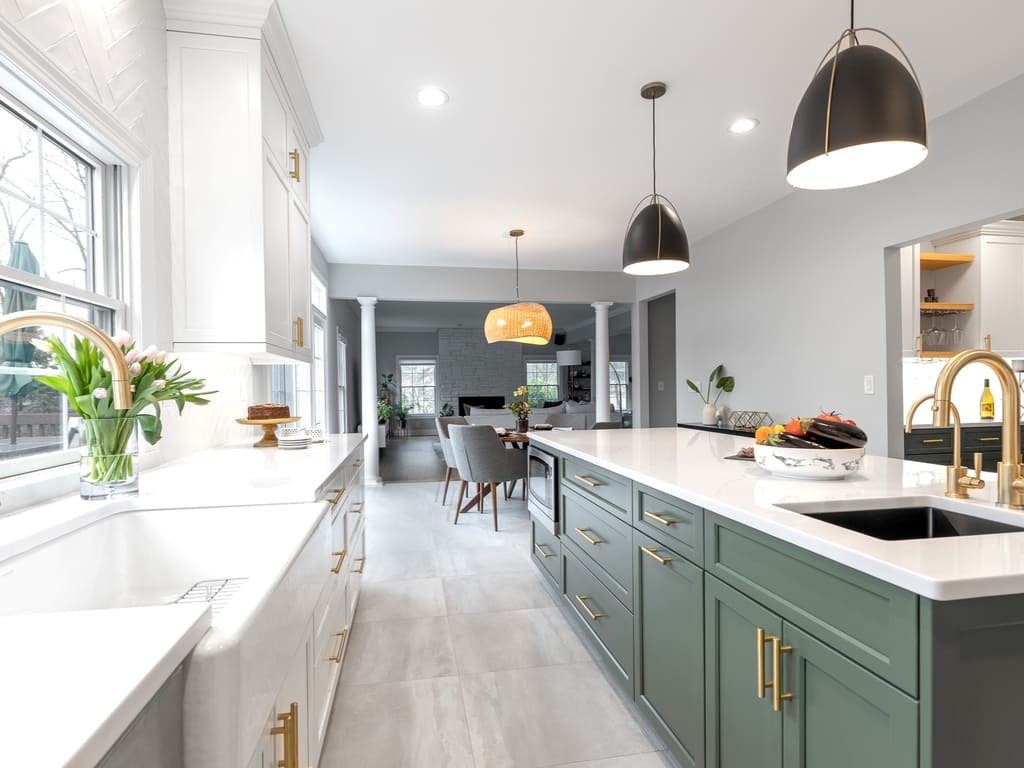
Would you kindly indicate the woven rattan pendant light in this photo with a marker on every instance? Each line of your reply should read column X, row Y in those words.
column 525, row 322
column 862, row 119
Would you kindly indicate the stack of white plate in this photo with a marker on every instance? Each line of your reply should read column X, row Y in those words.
column 291, row 442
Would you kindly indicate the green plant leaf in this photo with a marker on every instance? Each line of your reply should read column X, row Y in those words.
column 151, row 427
column 726, row 383
column 693, row 386
column 715, row 372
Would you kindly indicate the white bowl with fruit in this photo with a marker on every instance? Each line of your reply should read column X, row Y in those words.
column 826, row 447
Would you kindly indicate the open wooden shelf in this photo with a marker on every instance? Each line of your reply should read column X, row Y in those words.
column 945, row 306
column 935, row 353
column 943, row 260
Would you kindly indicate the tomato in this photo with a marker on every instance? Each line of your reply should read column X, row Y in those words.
column 795, row 427
column 761, row 435
column 851, row 422
column 830, row 416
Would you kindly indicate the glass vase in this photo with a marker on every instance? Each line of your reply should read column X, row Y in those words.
column 523, row 424
column 109, row 463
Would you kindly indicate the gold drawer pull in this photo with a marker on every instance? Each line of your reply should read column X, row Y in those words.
column 660, row 518
column 338, row 493
column 654, row 553
column 288, row 731
column 588, row 481
column 340, row 554
column 362, row 564
column 762, row 684
column 777, row 695
column 934, row 440
column 988, row 439
column 583, row 532
column 336, row 658
column 299, row 339
column 540, row 548
column 357, row 508
column 296, row 170
column 582, row 599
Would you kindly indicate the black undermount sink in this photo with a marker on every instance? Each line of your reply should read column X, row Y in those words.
column 897, row 523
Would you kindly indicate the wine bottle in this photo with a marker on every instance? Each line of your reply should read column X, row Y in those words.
column 988, row 404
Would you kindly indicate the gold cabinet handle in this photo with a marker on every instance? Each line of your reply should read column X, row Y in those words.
column 336, row 658
column 988, row 439
column 338, row 493
column 654, row 553
column 762, row 684
column 362, row 564
column 357, row 508
column 660, row 518
column 540, row 548
column 777, row 695
column 288, row 731
column 583, row 532
column 296, row 171
column 340, row 554
column 582, row 600
column 933, row 440
column 299, row 336
column 588, row 481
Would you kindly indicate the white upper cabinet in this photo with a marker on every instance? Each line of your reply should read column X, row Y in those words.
column 240, row 226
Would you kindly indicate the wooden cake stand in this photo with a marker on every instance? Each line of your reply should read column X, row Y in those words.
column 269, row 439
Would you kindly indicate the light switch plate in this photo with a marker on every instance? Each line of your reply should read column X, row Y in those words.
column 869, row 385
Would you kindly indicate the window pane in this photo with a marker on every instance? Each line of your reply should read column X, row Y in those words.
column 417, row 385
column 19, row 155
column 66, row 184
column 542, row 382
column 20, row 222
column 69, row 253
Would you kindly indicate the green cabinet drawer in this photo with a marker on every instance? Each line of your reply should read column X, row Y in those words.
column 546, row 550
column 670, row 647
column 605, row 617
column 872, row 622
column 927, row 441
column 672, row 522
column 604, row 541
column 601, row 484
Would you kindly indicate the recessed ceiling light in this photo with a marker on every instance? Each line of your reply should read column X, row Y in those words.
column 744, row 125
column 432, row 97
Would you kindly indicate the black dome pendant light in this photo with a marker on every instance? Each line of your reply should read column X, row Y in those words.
column 862, row 119
column 655, row 241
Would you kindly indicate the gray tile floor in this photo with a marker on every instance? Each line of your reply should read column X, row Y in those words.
column 459, row 655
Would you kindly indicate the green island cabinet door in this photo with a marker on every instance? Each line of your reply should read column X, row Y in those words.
column 670, row 643
column 841, row 715
column 742, row 730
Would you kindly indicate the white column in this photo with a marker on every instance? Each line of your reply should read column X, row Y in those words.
column 599, row 370
column 368, row 390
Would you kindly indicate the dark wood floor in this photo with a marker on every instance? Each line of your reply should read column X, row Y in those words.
column 411, row 460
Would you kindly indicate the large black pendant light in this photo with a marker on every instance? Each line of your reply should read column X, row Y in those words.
column 655, row 241
column 862, row 119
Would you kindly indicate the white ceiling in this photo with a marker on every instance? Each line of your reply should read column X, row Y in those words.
column 546, row 129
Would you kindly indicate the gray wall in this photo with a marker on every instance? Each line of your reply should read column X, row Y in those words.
column 343, row 318
column 393, row 344
column 471, row 366
column 661, row 354
column 793, row 299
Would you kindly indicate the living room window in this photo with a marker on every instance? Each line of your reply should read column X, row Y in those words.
column 542, row 381
column 417, row 385
column 618, row 384
column 54, row 200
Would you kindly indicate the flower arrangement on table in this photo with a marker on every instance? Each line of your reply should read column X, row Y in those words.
column 520, row 407
column 85, row 379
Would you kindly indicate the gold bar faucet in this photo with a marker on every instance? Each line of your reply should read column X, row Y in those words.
column 1010, row 486
column 957, row 479
column 120, row 377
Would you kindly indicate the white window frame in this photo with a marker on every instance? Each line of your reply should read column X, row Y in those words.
column 627, row 390
column 558, row 375
column 419, row 360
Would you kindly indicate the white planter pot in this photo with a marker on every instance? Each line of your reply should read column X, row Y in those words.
column 709, row 415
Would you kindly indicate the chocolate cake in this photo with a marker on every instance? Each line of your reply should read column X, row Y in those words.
column 268, row 411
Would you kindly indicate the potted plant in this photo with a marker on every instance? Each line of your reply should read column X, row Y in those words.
column 521, row 408
column 400, row 413
column 447, row 410
column 718, row 383
column 384, row 411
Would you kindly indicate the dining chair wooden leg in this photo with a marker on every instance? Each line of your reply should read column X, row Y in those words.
column 447, row 479
column 458, row 504
column 524, row 489
column 494, row 503
column 481, row 493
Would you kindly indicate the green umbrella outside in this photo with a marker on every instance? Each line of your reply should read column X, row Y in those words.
column 18, row 350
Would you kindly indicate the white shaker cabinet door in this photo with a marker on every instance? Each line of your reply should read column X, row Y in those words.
column 299, row 279
column 276, row 244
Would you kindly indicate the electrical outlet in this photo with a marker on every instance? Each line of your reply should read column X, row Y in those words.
column 661, row 386
column 869, row 385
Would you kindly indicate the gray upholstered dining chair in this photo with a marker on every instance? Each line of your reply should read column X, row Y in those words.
column 442, row 423
column 482, row 458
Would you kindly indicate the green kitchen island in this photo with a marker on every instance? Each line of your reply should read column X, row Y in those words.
column 752, row 636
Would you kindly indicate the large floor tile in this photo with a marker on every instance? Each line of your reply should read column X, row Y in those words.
column 398, row 566
column 396, row 651
column 537, row 637
column 417, row 724
column 526, row 718
column 487, row 592
column 646, row 760
column 391, row 600
column 463, row 561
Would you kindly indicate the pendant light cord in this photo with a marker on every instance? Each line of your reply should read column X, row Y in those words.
column 654, row 151
column 517, row 268
column 851, row 15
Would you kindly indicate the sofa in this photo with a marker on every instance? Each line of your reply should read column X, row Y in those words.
column 568, row 414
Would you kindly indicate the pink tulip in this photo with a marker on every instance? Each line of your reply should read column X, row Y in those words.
column 135, row 369
column 100, row 393
column 132, row 356
column 159, row 384
column 150, row 352
column 122, row 338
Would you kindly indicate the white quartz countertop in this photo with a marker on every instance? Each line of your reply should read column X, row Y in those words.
column 690, row 464
column 73, row 682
